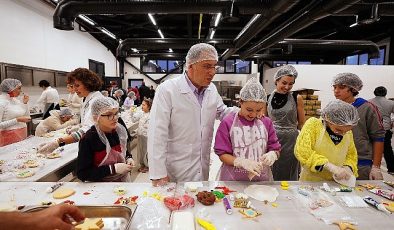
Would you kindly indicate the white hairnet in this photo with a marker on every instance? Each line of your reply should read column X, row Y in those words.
column 349, row 79
column 201, row 52
column 119, row 91
column 102, row 105
column 66, row 112
column 253, row 91
column 286, row 70
column 340, row 113
column 131, row 94
column 9, row 84
column 104, row 92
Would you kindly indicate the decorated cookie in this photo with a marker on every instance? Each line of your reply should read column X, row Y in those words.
column 53, row 155
column 249, row 213
column 31, row 163
column 24, row 174
column 63, row 193
column 206, row 198
column 91, row 224
column 120, row 191
column 2, row 162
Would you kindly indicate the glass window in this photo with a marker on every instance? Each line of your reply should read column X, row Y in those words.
column 149, row 67
column 379, row 60
column 304, row 62
column 242, row 66
column 174, row 64
column 220, row 67
column 161, row 66
column 291, row 62
column 230, row 66
column 363, row 59
column 352, row 60
column 278, row 63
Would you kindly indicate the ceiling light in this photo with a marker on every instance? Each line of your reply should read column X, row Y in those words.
column 108, row 33
column 218, row 19
column 134, row 50
column 170, row 50
column 152, row 19
column 86, row 19
column 213, row 33
column 161, row 34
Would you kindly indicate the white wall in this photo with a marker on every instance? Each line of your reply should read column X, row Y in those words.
column 320, row 77
column 29, row 38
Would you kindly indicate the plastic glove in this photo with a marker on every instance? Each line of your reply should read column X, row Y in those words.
column 251, row 166
column 269, row 158
column 130, row 161
column 375, row 174
column 46, row 148
column 71, row 129
column 339, row 173
column 122, row 168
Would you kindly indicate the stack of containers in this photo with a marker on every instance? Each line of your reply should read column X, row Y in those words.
column 312, row 105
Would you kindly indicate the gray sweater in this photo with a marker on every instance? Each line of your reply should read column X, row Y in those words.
column 386, row 108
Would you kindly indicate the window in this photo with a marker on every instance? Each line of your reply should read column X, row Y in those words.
column 352, row 60
column 162, row 66
column 230, row 66
column 280, row 63
column 242, row 66
column 379, row 60
column 365, row 59
column 174, row 65
column 221, row 67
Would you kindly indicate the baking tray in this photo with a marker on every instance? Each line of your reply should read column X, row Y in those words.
column 114, row 217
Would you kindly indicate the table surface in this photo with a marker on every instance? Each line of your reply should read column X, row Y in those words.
column 290, row 213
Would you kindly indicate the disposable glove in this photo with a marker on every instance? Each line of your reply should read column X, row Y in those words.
column 375, row 174
column 339, row 173
column 122, row 168
column 130, row 161
column 251, row 166
column 269, row 158
column 71, row 129
column 46, row 148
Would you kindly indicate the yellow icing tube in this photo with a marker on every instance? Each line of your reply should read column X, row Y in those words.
column 205, row 224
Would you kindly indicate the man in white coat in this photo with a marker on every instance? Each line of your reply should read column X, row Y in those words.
column 182, row 120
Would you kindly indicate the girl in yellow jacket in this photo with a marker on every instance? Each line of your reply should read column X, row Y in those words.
column 325, row 147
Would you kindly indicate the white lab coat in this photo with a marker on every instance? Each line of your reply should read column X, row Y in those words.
column 180, row 131
column 86, row 112
column 48, row 96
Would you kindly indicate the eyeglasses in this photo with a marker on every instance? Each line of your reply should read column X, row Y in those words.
column 111, row 116
column 209, row 67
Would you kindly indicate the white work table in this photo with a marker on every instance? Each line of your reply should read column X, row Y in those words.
column 290, row 213
column 48, row 169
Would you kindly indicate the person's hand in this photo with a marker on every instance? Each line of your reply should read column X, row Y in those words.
column 46, row 148
column 376, row 173
column 56, row 217
column 122, row 168
column 130, row 161
column 340, row 173
column 161, row 182
column 251, row 166
column 23, row 119
column 25, row 99
column 269, row 158
column 71, row 129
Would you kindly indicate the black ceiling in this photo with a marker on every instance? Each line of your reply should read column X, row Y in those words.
column 270, row 37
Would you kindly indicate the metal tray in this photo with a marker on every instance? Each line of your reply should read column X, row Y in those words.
column 114, row 217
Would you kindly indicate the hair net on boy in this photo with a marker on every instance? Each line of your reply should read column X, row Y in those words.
column 253, row 91
column 100, row 106
column 201, row 52
column 349, row 79
column 9, row 84
column 286, row 70
column 65, row 112
column 340, row 113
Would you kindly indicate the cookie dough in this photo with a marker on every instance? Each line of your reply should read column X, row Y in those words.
column 63, row 193
column 53, row 155
column 91, row 224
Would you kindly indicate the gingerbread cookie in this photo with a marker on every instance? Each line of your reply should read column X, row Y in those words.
column 206, row 198
column 91, row 224
column 63, row 193
column 24, row 174
column 31, row 163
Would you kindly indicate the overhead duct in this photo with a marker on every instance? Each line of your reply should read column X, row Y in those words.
column 369, row 46
column 258, row 23
column 67, row 10
column 174, row 43
column 305, row 19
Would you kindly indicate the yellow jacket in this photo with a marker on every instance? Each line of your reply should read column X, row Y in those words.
column 314, row 148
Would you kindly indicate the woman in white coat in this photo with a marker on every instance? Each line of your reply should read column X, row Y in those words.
column 182, row 120
column 13, row 113
column 87, row 85
column 74, row 102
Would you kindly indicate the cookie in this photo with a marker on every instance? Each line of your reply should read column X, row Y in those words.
column 2, row 162
column 31, row 163
column 63, row 193
column 53, row 155
column 206, row 198
column 91, row 224
column 24, row 174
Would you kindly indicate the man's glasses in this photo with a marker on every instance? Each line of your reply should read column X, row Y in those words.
column 209, row 67
column 111, row 116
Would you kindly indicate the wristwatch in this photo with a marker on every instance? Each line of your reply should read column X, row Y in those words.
column 61, row 142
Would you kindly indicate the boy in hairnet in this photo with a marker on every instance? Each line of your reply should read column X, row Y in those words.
column 369, row 132
column 102, row 152
column 246, row 141
column 58, row 119
column 325, row 147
